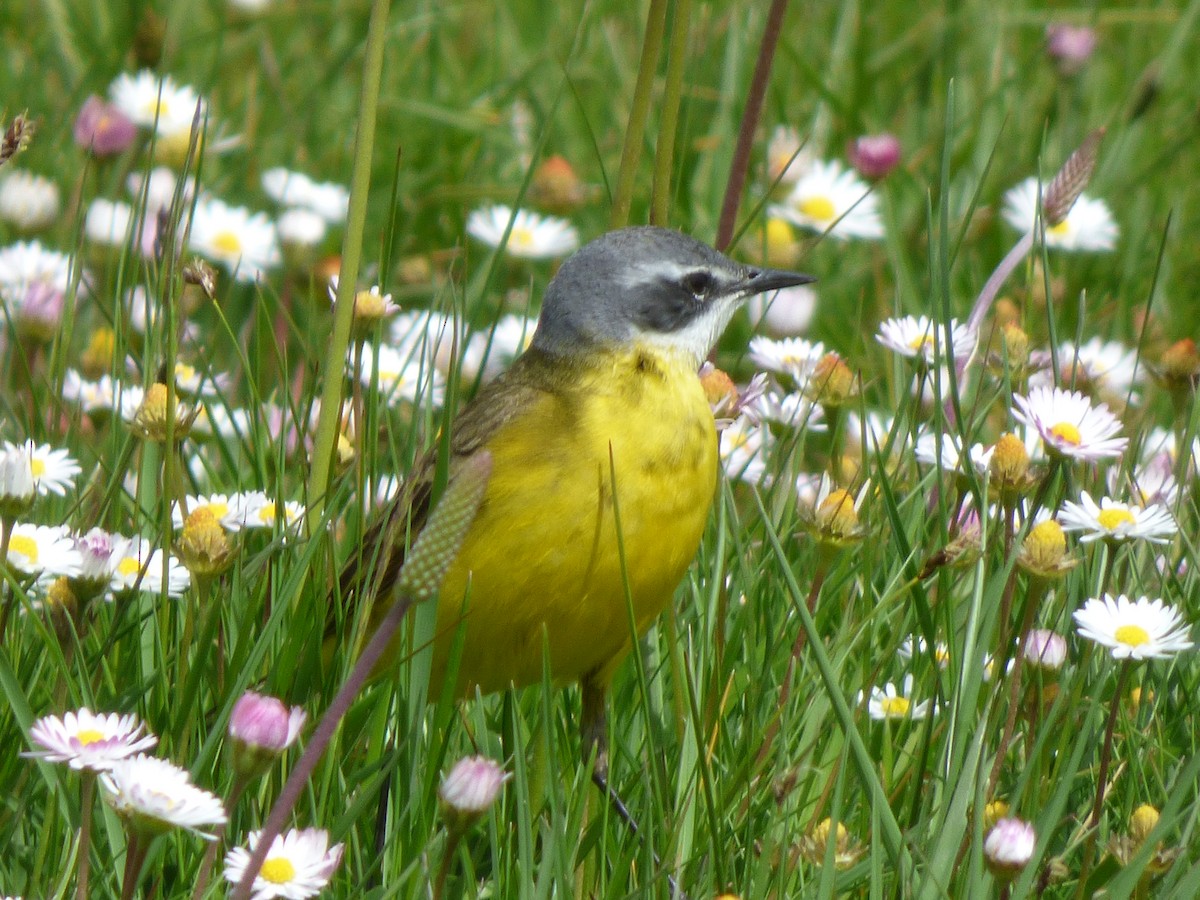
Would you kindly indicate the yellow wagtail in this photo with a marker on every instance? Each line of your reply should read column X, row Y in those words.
column 602, row 419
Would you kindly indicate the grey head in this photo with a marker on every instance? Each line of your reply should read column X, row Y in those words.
column 651, row 285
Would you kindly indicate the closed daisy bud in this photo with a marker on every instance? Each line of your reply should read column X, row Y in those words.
column 151, row 418
column 1009, row 847
column 204, row 547
column 1008, row 469
column 260, row 729
column 1046, row 650
column 846, row 850
column 468, row 789
column 1044, row 551
column 1016, row 348
column 556, row 187
column 875, row 155
column 1181, row 361
column 832, row 383
column 102, row 129
column 61, row 608
column 1142, row 821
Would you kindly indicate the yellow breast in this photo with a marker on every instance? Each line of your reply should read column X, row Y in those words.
column 630, row 440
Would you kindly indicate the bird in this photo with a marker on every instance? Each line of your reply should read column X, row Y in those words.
column 604, row 465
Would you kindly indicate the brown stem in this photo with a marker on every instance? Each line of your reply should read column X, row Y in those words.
column 87, row 794
column 740, row 164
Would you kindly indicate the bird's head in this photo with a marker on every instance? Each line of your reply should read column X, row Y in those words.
column 652, row 286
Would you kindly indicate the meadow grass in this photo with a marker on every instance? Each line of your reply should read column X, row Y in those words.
column 740, row 723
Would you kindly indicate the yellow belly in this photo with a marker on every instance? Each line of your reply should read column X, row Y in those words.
column 541, row 565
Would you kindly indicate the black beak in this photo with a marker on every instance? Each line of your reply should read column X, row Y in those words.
column 760, row 281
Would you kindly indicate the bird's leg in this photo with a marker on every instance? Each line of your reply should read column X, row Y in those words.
column 593, row 730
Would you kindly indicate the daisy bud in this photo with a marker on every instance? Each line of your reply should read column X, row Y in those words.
column 1008, row 469
column 846, row 850
column 200, row 274
column 832, row 383
column 151, row 418
column 1070, row 47
column 1142, row 821
column 261, row 728
column 1179, row 369
column 102, row 129
column 61, row 607
column 875, row 155
column 1016, row 348
column 467, row 791
column 719, row 389
column 17, row 136
column 1009, row 847
column 837, row 516
column 1044, row 551
column 556, row 186
column 1046, row 650
column 204, row 547
column 97, row 358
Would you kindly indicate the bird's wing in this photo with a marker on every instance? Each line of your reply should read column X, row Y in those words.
column 376, row 563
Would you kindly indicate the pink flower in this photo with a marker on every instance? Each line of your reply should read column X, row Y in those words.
column 1070, row 46
column 102, row 128
column 874, row 155
column 262, row 728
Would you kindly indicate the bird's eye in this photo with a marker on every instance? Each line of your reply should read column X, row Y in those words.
column 697, row 283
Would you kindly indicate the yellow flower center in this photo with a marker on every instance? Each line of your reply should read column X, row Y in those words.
column 267, row 513
column 837, row 514
column 184, row 372
column 155, row 109
column 129, row 566
column 1046, row 544
column 277, row 870
column 38, row 467
column 1062, row 229
column 219, row 510
column 25, row 546
column 521, row 237
column 227, row 242
column 369, row 305
column 779, row 234
column 920, row 343
column 1132, row 635
column 1112, row 519
column 1142, row 821
column 1066, row 431
column 819, row 208
column 895, row 707
column 1010, row 460
column 89, row 736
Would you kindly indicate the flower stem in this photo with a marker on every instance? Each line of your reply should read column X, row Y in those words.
column 452, row 840
column 87, row 795
column 210, row 855
column 135, row 856
column 664, row 155
column 635, row 129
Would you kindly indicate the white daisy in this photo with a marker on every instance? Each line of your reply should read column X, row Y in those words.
column 137, row 566
column 889, row 703
column 876, row 429
column 17, row 487
column 793, row 410
column 299, row 864
column 944, row 451
column 27, row 201
column 1133, row 629
column 831, row 199
column 53, row 470
column 1069, row 425
column 1151, row 482
column 400, row 378
column 153, row 102
column 28, row 269
column 423, row 334
column 156, row 796
column 1105, row 368
column 216, row 419
column 198, row 382
column 88, row 740
column 108, row 223
column 300, row 229
column 921, row 338
column 297, row 191
column 915, row 645
column 794, row 357
column 156, row 191
column 744, row 450
column 43, row 550
column 226, row 509
column 532, row 236
column 1088, row 226
column 260, row 511
column 787, row 158
column 243, row 242
column 1116, row 521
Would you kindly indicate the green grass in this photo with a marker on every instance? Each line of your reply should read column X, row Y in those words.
column 727, row 749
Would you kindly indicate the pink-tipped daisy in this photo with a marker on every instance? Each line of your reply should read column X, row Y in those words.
column 920, row 338
column 88, row 740
column 298, row 865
